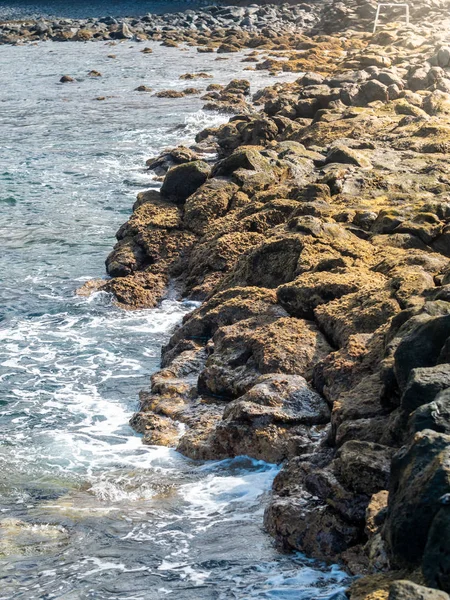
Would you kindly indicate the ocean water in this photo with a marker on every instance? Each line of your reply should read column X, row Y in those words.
column 82, row 9
column 87, row 511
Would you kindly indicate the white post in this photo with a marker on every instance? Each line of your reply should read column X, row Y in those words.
column 376, row 18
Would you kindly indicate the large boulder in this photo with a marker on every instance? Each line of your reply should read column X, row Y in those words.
column 421, row 346
column 251, row 348
column 436, row 558
column 420, row 476
column 271, row 421
column 183, row 180
column 279, row 398
column 364, row 467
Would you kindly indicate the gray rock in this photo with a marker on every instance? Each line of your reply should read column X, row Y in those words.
column 420, row 476
column 407, row 590
column 421, row 347
column 443, row 56
column 280, row 399
column 423, row 385
column 363, row 467
column 436, row 558
column 374, row 90
column 434, row 415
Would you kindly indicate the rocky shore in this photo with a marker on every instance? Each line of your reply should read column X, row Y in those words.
column 318, row 240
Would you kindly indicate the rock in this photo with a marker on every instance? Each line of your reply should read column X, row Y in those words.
column 94, row 74
column 374, row 90
column 143, row 88
column 191, row 91
column 248, row 349
column 123, row 33
column 420, row 475
column 407, row 590
column 211, row 200
column 437, row 103
column 169, row 94
column 66, row 79
column 423, row 385
column 169, row 158
column 442, row 243
column 189, row 76
column 279, row 398
column 363, row 467
column 301, row 296
column 269, row 422
column 360, row 312
column 243, row 158
column 421, row 347
column 143, row 290
column 436, row 558
column 269, row 264
column 443, row 56
column 183, row 180
column 341, row 154
column 147, row 50
column 299, row 520
column 434, row 415
column 238, row 86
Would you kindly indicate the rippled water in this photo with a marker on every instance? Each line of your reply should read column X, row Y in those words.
column 87, row 511
column 82, row 9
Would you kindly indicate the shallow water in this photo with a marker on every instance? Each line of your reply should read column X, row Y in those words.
column 87, row 511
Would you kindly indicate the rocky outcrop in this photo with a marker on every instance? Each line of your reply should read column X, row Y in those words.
column 317, row 240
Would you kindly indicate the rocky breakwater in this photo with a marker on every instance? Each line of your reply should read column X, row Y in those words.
column 318, row 241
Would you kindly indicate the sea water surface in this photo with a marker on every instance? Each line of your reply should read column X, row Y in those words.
column 83, row 9
column 87, row 511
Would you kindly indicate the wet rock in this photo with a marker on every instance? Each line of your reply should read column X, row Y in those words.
column 183, row 180
column 299, row 520
column 143, row 88
column 279, row 398
column 190, row 76
column 169, row 158
column 66, row 79
column 169, row 94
